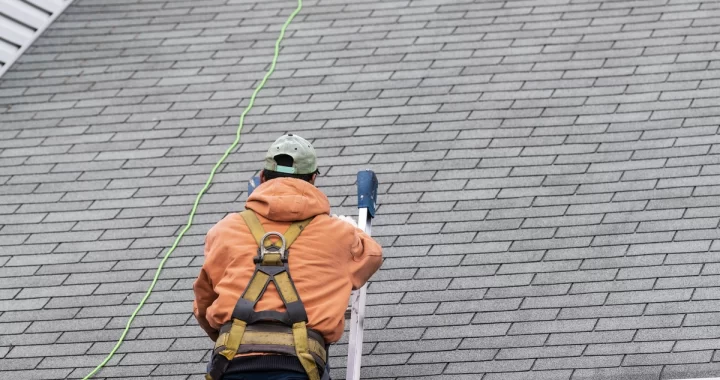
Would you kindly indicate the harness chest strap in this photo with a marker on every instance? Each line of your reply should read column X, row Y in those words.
column 238, row 335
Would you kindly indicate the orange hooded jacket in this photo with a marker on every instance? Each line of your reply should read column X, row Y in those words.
column 328, row 260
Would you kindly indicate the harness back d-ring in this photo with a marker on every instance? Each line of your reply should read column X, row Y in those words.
column 272, row 248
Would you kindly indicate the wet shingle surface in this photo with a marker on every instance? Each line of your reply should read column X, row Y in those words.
column 548, row 169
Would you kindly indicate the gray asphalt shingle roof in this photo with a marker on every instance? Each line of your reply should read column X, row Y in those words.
column 548, row 176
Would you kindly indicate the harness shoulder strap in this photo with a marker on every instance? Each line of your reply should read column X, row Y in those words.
column 295, row 229
column 257, row 230
column 253, row 223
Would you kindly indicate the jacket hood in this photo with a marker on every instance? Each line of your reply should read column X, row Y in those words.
column 288, row 200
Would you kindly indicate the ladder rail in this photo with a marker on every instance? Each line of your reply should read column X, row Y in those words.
column 357, row 316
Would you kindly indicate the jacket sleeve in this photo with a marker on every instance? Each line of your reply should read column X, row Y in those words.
column 366, row 258
column 204, row 293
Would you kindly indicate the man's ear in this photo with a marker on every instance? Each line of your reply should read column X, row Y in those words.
column 262, row 176
column 312, row 180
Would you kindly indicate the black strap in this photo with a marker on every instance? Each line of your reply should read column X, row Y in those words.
column 243, row 309
column 218, row 366
column 296, row 312
column 325, row 375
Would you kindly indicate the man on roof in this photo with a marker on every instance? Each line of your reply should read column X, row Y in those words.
column 277, row 277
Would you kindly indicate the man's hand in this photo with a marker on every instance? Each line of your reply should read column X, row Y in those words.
column 346, row 219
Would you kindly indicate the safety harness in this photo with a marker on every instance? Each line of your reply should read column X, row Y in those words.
column 268, row 331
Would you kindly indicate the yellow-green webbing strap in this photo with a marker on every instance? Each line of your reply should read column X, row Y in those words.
column 294, row 231
column 253, row 223
column 237, row 330
column 287, row 290
column 257, row 286
column 284, row 284
column 303, row 353
column 278, row 339
column 257, row 230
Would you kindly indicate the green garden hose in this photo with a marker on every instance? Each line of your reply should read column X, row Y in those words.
column 204, row 189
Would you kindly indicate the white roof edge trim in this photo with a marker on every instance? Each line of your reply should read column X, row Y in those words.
column 17, row 33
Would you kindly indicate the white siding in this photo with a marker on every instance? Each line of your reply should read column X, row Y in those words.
column 21, row 22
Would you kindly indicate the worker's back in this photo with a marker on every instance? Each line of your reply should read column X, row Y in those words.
column 328, row 260
column 258, row 334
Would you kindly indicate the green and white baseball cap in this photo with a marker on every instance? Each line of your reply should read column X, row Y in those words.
column 301, row 151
